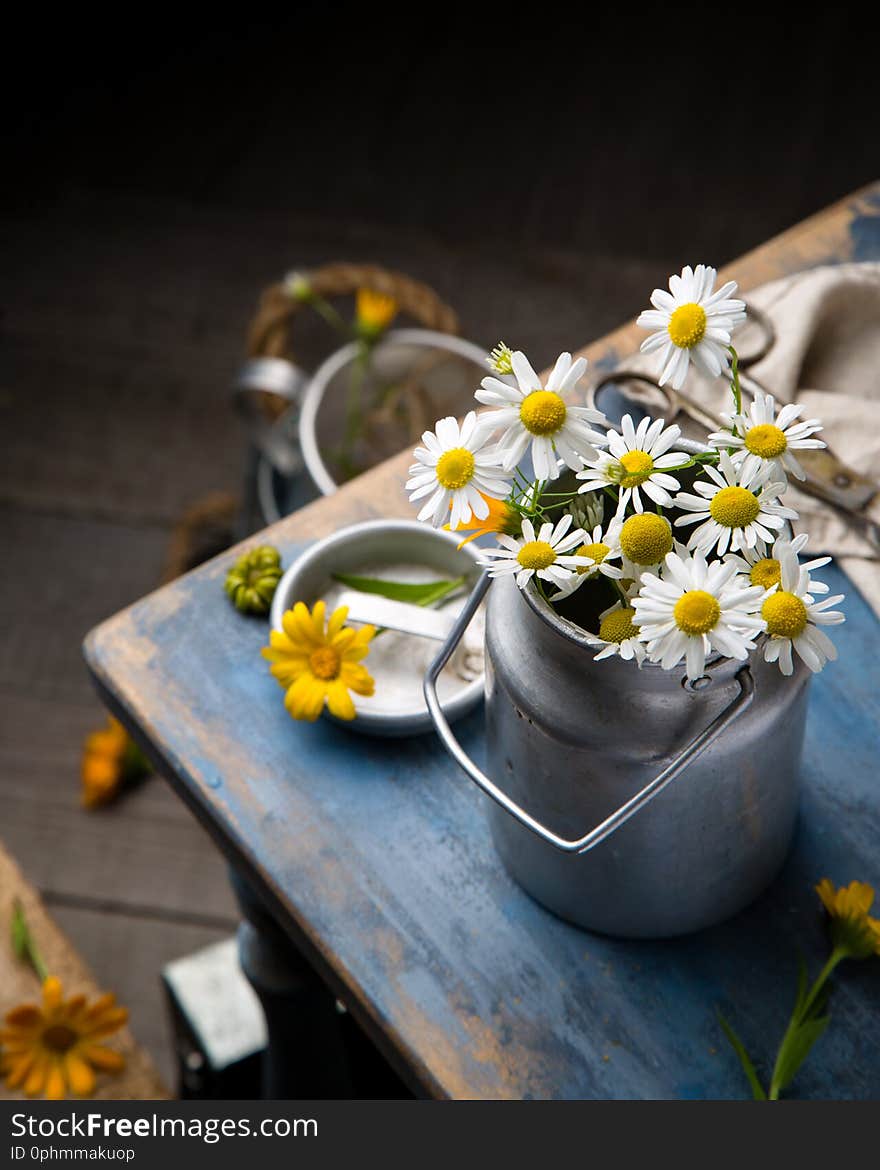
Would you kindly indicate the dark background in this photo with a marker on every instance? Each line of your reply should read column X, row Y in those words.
column 543, row 174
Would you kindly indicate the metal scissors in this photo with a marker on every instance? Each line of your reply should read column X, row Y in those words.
column 827, row 477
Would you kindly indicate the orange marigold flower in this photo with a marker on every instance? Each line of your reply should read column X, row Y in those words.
column 852, row 929
column 110, row 758
column 503, row 517
column 55, row 1048
column 375, row 311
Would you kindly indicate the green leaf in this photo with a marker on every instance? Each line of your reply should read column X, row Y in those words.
column 795, row 1049
column 745, row 1060
column 416, row 594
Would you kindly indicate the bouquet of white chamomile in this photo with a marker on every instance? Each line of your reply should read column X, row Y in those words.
column 594, row 527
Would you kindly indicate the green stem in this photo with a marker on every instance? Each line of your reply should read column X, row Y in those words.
column 802, row 1013
column 23, row 943
column 621, row 591
column 833, row 959
column 331, row 316
column 734, row 384
column 353, row 410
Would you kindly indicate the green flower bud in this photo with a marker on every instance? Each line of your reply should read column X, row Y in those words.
column 251, row 582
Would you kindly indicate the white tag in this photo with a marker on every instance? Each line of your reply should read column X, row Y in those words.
column 397, row 615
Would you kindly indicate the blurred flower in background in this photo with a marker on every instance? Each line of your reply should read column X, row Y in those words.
column 111, row 759
column 54, row 1048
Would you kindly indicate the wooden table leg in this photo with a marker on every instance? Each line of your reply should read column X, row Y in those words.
column 305, row 1057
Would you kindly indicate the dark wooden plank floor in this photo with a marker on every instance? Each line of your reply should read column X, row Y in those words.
column 155, row 197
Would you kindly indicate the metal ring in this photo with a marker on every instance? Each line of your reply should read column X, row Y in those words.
column 276, row 437
column 761, row 319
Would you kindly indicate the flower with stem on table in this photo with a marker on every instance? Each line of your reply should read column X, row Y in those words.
column 693, row 608
column 319, row 666
column 692, row 323
column 738, row 509
column 763, row 567
column 456, row 471
column 854, row 935
column 110, row 760
column 635, row 462
column 374, row 312
column 793, row 619
column 619, row 635
column 600, row 550
column 532, row 416
column 547, row 553
column 56, row 1047
column 763, row 439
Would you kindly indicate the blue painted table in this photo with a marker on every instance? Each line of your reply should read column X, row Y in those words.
column 374, row 857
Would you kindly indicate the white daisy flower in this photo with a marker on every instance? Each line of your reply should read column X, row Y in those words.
column 765, row 570
column 793, row 618
column 619, row 635
column 599, row 550
column 634, row 463
column 529, row 413
column 692, row 608
column 763, row 440
column 692, row 324
column 737, row 510
column 547, row 553
column 452, row 470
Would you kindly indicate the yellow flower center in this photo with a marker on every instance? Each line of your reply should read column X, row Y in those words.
column 596, row 552
column 646, row 538
column 687, row 326
column 618, row 625
column 696, row 612
column 734, row 507
column 766, row 573
column 455, row 468
column 325, row 663
column 637, row 467
column 542, row 412
column 785, row 615
column 537, row 554
column 766, row 441
column 59, row 1038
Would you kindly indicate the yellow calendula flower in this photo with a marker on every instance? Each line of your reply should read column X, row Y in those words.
column 110, row 758
column 503, row 517
column 55, row 1048
column 375, row 311
column 852, row 929
column 315, row 665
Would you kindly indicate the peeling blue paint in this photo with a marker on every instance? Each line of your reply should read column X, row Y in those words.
column 865, row 229
column 381, row 851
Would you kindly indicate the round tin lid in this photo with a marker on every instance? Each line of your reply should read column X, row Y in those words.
column 405, row 551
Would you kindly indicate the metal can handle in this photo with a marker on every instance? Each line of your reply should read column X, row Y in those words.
column 627, row 810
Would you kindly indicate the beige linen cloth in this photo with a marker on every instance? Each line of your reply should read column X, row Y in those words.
column 826, row 356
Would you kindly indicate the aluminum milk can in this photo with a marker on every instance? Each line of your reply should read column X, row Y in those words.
column 630, row 801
